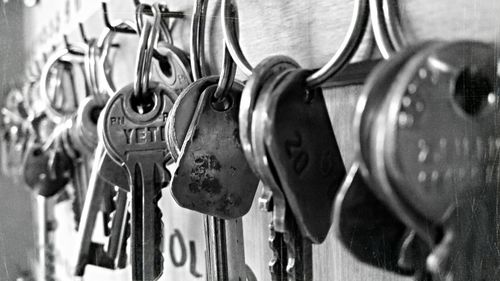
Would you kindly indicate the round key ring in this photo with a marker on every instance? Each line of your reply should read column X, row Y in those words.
column 104, row 44
column 343, row 55
column 165, row 34
column 70, row 54
column 147, row 41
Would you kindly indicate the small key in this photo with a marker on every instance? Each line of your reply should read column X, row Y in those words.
column 304, row 155
column 136, row 141
column 271, row 199
column 90, row 252
column 298, row 251
column 172, row 67
column 38, row 173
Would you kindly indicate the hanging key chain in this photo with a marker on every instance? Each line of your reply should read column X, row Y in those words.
column 283, row 122
column 133, row 133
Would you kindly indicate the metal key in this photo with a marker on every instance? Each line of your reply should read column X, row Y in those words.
column 136, row 141
column 90, row 252
column 172, row 67
column 431, row 180
column 297, row 258
column 38, row 174
column 269, row 201
column 293, row 146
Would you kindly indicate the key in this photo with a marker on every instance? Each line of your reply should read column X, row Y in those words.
column 430, row 173
column 295, row 256
column 119, row 217
column 269, row 201
column 212, row 166
column 39, row 176
column 357, row 208
column 293, row 145
column 172, row 67
column 90, row 252
column 136, row 141
column 180, row 119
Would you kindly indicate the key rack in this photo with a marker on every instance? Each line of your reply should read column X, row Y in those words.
column 307, row 31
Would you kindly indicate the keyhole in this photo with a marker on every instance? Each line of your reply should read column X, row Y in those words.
column 473, row 91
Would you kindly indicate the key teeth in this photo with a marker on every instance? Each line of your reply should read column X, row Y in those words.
column 76, row 208
column 276, row 262
column 289, row 241
column 158, row 235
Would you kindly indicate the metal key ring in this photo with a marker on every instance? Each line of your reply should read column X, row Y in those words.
column 104, row 43
column 73, row 56
column 196, row 46
column 147, row 41
column 387, row 27
column 228, row 70
column 347, row 49
column 165, row 33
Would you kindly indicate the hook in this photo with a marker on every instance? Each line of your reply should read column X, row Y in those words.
column 82, row 33
column 164, row 11
column 114, row 28
column 70, row 47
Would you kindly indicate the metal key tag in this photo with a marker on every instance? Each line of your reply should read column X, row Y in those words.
column 137, row 142
column 437, row 149
column 305, row 153
column 213, row 177
column 172, row 67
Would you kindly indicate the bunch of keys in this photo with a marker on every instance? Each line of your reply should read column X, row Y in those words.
column 133, row 134
column 287, row 136
column 279, row 113
column 427, row 149
column 211, row 175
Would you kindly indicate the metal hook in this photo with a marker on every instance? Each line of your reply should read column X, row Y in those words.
column 82, row 33
column 71, row 49
column 116, row 27
column 165, row 13
column 387, row 27
column 145, row 9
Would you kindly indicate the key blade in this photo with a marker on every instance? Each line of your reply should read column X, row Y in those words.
column 146, row 220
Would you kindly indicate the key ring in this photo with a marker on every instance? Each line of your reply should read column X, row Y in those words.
column 387, row 26
column 228, row 70
column 104, row 44
column 147, row 42
column 165, row 32
column 196, row 46
column 343, row 55
column 72, row 55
